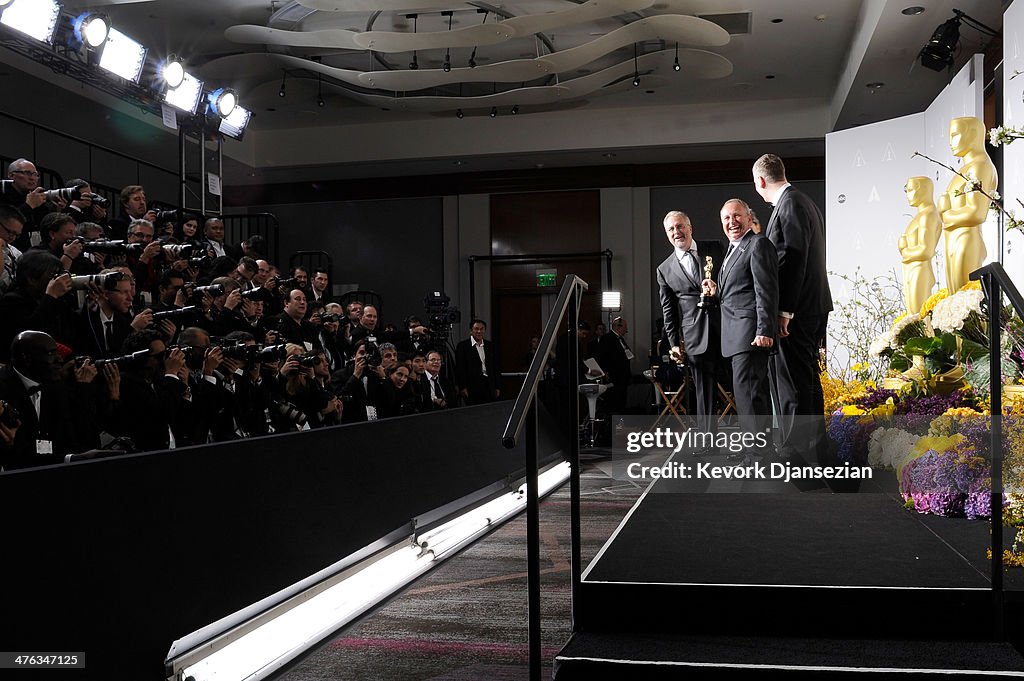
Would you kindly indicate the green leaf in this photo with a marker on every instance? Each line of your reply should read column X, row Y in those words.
column 923, row 346
column 899, row 362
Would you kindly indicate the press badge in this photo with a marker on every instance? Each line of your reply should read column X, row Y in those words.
column 44, row 447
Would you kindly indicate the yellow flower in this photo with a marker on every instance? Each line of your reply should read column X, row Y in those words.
column 933, row 300
column 853, row 410
column 971, row 286
column 898, row 319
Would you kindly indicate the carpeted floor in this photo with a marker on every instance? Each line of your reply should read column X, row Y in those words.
column 468, row 618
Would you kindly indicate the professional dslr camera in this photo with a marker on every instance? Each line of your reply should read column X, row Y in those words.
column 109, row 246
column 441, row 315
column 105, row 281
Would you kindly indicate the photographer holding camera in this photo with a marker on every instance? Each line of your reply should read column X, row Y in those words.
column 133, row 207
column 297, row 386
column 12, row 222
column 58, row 234
column 145, row 266
column 103, row 328
column 48, row 417
column 37, row 301
column 88, row 207
column 22, row 192
column 152, row 402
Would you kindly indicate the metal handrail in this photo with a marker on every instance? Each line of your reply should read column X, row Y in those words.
column 524, row 414
column 995, row 281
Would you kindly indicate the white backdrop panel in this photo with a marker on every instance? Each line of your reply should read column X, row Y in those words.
column 1013, row 154
column 866, row 169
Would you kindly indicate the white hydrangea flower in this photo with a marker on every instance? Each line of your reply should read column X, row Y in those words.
column 949, row 314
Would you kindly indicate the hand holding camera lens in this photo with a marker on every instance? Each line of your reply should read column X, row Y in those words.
column 213, row 358
column 143, row 320
column 174, row 362
column 233, row 300
column 86, row 371
column 73, row 248
column 112, row 377
column 36, row 198
column 152, row 250
column 59, row 285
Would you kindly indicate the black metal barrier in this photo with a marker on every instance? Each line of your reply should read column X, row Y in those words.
column 118, row 558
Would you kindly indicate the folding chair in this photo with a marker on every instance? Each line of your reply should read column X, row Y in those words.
column 730, row 403
column 674, row 400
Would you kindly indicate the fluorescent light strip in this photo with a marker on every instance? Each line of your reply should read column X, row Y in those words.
column 35, row 18
column 122, row 56
column 268, row 647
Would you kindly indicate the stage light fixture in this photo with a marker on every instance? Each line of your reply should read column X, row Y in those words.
column 938, row 53
column 173, row 72
column 284, row 79
column 515, row 109
column 222, row 101
column 35, row 18
column 459, row 114
column 187, row 95
column 234, row 124
column 122, row 56
column 91, row 29
column 494, row 112
column 611, row 301
column 675, row 63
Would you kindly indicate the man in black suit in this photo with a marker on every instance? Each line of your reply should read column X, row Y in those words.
column 747, row 290
column 213, row 230
column 691, row 330
column 614, row 355
column 797, row 231
column 476, row 366
column 103, row 329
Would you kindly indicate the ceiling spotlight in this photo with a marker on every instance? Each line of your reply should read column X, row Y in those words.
column 320, row 102
column 636, row 80
column 91, row 29
column 675, row 64
column 222, row 101
column 284, row 79
column 494, row 112
column 414, row 64
column 447, row 63
column 636, row 65
column 938, row 54
column 459, row 114
column 35, row 18
column 320, row 91
column 472, row 63
column 515, row 109
column 173, row 72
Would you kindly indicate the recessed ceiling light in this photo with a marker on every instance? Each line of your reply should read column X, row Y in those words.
column 770, row 76
column 649, row 92
column 874, row 85
column 777, row 21
column 913, row 11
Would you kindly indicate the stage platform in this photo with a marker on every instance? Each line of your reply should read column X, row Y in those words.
column 765, row 578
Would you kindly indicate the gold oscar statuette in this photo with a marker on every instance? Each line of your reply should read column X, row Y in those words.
column 705, row 301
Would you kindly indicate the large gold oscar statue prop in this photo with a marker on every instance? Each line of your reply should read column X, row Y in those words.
column 918, row 242
column 963, row 210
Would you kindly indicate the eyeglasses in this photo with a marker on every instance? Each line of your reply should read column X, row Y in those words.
column 27, row 173
column 10, row 231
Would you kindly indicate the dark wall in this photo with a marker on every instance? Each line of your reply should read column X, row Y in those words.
column 394, row 247
column 118, row 558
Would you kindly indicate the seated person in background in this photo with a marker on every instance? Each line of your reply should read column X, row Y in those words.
column 319, row 287
column 213, row 230
column 250, row 393
column 37, row 302
column 326, row 329
column 366, row 327
column 212, row 408
column 189, row 234
column 244, row 273
column 56, row 417
column 152, row 407
column 396, row 396
column 254, row 247
column 145, row 266
column 438, row 391
column 226, row 313
column 353, row 384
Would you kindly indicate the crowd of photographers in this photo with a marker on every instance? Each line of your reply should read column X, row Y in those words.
column 143, row 331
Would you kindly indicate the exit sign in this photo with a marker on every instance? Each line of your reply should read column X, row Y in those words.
column 546, row 277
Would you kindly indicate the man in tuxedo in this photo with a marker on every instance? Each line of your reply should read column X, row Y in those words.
column 693, row 332
column 318, row 287
column 614, row 355
column 213, row 230
column 747, row 290
column 797, row 231
column 476, row 366
column 103, row 329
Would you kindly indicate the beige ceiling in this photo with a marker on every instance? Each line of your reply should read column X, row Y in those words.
column 791, row 81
